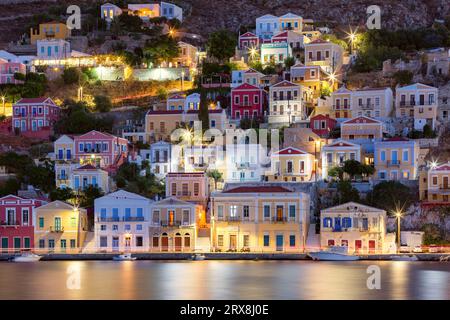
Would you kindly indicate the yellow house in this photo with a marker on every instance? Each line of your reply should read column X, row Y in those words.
column 50, row 30
column 259, row 219
column 361, row 128
column 434, row 186
column 60, row 227
column 341, row 103
column 359, row 227
column 396, row 159
column 173, row 225
column 312, row 77
column 328, row 55
column 291, row 165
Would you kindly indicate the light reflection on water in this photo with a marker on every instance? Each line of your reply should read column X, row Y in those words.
column 224, row 280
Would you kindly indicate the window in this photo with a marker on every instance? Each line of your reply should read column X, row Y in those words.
column 196, row 189
column 435, row 180
column 327, row 223
column 115, row 227
column 51, row 243
column 139, row 227
column 405, row 155
column 186, row 216
column 292, row 211
column 346, row 222
column 73, row 222
column 233, row 211
column 25, row 217
column 382, row 175
column 139, row 241
column 267, row 211
column 383, row 155
column 63, row 244
column 103, row 227
column 103, row 242
column 220, row 240
column 246, row 240
column 41, row 222
column 220, row 212
column 292, row 240
column 246, row 211
column 266, row 240
column 41, row 243
column 174, row 189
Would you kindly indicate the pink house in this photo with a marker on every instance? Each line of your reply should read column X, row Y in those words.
column 35, row 117
column 108, row 150
column 248, row 40
column 8, row 69
column 322, row 125
column 16, row 223
column 246, row 101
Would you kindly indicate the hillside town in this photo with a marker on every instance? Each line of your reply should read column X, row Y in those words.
column 287, row 136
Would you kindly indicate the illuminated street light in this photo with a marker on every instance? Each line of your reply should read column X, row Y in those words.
column 352, row 37
column 253, row 52
column 398, row 214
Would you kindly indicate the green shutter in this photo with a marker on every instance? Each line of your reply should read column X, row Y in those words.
column 27, row 243
column 41, row 222
column 16, row 243
column 5, row 243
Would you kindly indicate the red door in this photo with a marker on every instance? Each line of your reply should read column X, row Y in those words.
column 330, row 242
column 178, row 243
column 371, row 246
column 164, row 244
column 358, row 245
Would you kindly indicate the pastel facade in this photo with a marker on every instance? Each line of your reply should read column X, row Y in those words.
column 34, row 117
column 417, row 101
column 259, row 218
column 244, row 162
column 50, row 30
column 8, row 69
column 109, row 11
column 53, row 49
column 336, row 153
column 341, row 103
column 311, row 77
column 275, row 53
column 268, row 25
column 396, row 159
column 362, row 128
column 188, row 186
column 374, row 102
column 328, row 55
column 250, row 76
column 176, row 102
column 248, row 41
column 173, row 226
column 247, row 101
column 86, row 176
column 160, row 159
column 17, row 218
column 434, row 187
column 285, row 103
column 145, row 11
column 360, row 228
column 291, row 165
column 60, row 227
column 188, row 56
column 292, row 38
column 122, row 222
column 171, row 11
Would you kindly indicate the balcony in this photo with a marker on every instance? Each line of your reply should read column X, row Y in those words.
column 407, row 104
column 12, row 223
column 170, row 224
column 58, row 229
column 233, row 218
column 133, row 219
column 279, row 220
column 393, row 163
column 341, row 107
column 159, row 160
column 445, row 187
column 62, row 177
column 288, row 98
column 243, row 104
column 184, row 194
column 108, row 219
column 366, row 106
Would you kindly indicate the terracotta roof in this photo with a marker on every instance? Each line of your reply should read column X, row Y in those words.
column 165, row 112
column 283, row 34
column 246, row 86
column 341, row 143
column 186, row 173
column 87, row 167
column 248, row 35
column 32, row 100
column 443, row 167
column 258, row 189
column 284, row 83
column 209, row 111
column 361, row 120
column 318, row 41
column 176, row 96
column 290, row 150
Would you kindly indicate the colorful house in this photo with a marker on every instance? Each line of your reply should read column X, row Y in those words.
column 419, row 102
column 160, row 159
column 88, row 175
column 336, row 153
column 109, row 11
column 259, row 219
column 244, row 162
column 312, row 77
column 173, row 225
column 188, row 56
column 362, row 128
column 248, row 41
column 434, row 187
column 35, row 117
column 188, row 186
column 373, row 102
column 291, row 165
column 396, row 159
column 122, row 222
column 285, row 103
column 328, row 55
column 8, row 69
column 50, row 30
column 247, row 101
column 341, row 103
column 17, row 223
column 360, row 228
column 53, row 49
column 275, row 53
column 60, row 227
column 250, row 76
column 269, row 25
column 322, row 125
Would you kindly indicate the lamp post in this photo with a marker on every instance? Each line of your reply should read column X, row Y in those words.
column 182, row 79
column 398, row 214
column 4, row 106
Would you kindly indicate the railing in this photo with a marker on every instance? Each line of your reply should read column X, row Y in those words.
column 291, row 98
column 407, row 104
column 62, row 177
column 444, row 187
column 279, row 219
column 366, row 106
column 393, row 163
column 233, row 218
column 9, row 223
column 174, row 224
column 159, row 160
column 118, row 219
column 243, row 104
column 109, row 219
column 341, row 107
column 184, row 193
column 130, row 219
column 59, row 229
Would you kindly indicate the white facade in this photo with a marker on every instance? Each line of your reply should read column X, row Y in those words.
column 160, row 159
column 109, row 11
column 244, row 162
column 275, row 52
column 336, row 153
column 171, row 11
column 285, row 103
column 53, row 49
column 122, row 222
column 192, row 102
column 269, row 25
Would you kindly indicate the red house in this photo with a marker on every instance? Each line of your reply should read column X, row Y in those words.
column 16, row 223
column 246, row 101
column 248, row 40
column 35, row 117
column 322, row 125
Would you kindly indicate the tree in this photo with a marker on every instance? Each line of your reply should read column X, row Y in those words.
column 403, row 77
column 221, row 45
column 336, row 172
column 352, row 168
column 62, row 194
column 432, row 234
column 216, row 175
column 161, row 49
column 130, row 22
column 203, row 114
column 346, row 193
column 10, row 186
column 289, row 62
column 88, row 196
column 70, row 75
column 102, row 103
column 389, row 195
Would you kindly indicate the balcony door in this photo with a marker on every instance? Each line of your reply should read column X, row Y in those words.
column 445, row 182
column 233, row 242
column 171, row 217
column 58, row 223
column 279, row 242
column 279, row 213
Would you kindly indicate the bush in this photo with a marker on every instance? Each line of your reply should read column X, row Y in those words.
column 102, row 103
column 403, row 77
column 71, row 75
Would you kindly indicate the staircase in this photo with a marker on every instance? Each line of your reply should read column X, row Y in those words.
column 313, row 239
column 89, row 243
column 203, row 240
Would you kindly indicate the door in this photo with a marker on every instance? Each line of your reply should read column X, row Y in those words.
column 17, row 244
column 358, row 245
column 5, row 245
column 165, row 243
column 127, row 243
column 115, row 243
column 178, row 243
column 371, row 246
column 279, row 242
column 279, row 213
column 60, row 154
column 233, row 242
column 57, row 223
column 26, row 244
column 289, row 167
column 445, row 182
column 69, row 154
column 171, row 217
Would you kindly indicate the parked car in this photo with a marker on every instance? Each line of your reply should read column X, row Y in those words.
column 417, row 249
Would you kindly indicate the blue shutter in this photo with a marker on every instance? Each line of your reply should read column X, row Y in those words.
column 140, row 212
column 115, row 213
column 127, row 213
column 60, row 154
column 69, row 154
column 103, row 214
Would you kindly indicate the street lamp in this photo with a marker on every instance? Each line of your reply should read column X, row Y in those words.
column 398, row 213
column 80, row 93
column 4, row 106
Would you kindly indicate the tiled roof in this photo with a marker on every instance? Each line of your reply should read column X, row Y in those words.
column 317, row 41
column 258, row 189
column 165, row 112
column 248, row 35
column 361, row 120
column 284, row 83
column 176, row 97
column 290, row 150
column 32, row 100
column 283, row 34
column 87, row 167
column 443, row 167
column 416, row 86
column 246, row 86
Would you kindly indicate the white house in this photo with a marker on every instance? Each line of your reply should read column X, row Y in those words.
column 192, row 102
column 275, row 52
column 171, row 11
column 285, row 103
column 245, row 162
column 53, row 49
column 122, row 222
column 109, row 11
column 160, row 159
column 336, row 153
column 266, row 26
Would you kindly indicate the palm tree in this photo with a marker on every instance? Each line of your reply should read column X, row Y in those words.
column 216, row 175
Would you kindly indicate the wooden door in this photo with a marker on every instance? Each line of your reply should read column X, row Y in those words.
column 165, row 244
column 178, row 244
